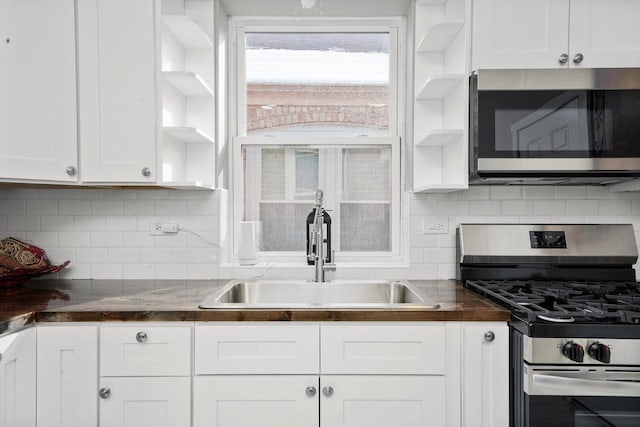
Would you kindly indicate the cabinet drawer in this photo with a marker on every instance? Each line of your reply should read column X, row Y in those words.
column 256, row 349
column 383, row 349
column 144, row 350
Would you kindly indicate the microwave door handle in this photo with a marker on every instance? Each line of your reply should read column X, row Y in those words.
column 544, row 384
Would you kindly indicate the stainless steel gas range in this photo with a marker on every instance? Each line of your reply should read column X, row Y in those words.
column 575, row 317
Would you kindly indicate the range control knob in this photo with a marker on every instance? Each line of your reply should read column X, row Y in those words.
column 573, row 351
column 600, row 352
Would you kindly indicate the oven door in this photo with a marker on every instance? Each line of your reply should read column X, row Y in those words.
column 555, row 124
column 582, row 396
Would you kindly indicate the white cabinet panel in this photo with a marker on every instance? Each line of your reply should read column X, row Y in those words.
column 38, row 136
column 485, row 373
column 249, row 401
column 18, row 379
column 142, row 402
column 382, row 349
column 145, row 350
column 256, row 349
column 382, row 401
column 520, row 33
column 117, row 90
column 605, row 32
column 67, row 376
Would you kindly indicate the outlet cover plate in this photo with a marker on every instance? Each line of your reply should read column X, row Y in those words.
column 435, row 225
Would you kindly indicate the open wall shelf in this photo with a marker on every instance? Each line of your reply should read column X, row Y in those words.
column 188, row 32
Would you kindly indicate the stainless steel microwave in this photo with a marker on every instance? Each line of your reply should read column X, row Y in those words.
column 563, row 127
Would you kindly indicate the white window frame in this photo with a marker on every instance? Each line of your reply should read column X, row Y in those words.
column 395, row 26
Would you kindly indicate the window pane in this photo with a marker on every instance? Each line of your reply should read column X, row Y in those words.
column 326, row 84
column 283, row 226
column 288, row 173
column 365, row 227
column 366, row 174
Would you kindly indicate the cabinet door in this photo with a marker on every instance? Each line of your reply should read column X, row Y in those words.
column 117, row 90
column 605, row 32
column 67, row 376
column 485, row 374
column 18, row 379
column 382, row 401
column 250, row 401
column 38, row 137
column 146, row 401
column 520, row 33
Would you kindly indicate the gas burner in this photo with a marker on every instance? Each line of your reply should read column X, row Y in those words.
column 566, row 301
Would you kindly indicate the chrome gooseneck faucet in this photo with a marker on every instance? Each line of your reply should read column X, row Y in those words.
column 316, row 242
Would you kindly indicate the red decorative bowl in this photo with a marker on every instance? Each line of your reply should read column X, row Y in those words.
column 20, row 262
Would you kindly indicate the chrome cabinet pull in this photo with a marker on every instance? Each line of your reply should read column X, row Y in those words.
column 141, row 337
column 327, row 391
column 489, row 336
column 145, row 172
column 564, row 58
column 72, row 171
column 310, row 391
column 578, row 58
column 104, row 392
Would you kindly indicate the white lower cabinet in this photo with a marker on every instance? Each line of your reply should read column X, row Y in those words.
column 145, row 401
column 67, row 376
column 366, row 375
column 255, row 400
column 145, row 375
column 485, row 374
column 382, row 401
column 18, row 379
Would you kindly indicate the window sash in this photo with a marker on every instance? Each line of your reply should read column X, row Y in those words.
column 333, row 190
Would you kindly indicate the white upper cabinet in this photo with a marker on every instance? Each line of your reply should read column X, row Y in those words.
column 117, row 90
column 38, row 137
column 555, row 34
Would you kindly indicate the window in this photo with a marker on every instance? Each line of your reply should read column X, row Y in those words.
column 318, row 107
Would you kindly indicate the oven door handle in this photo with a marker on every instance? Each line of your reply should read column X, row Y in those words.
column 544, row 384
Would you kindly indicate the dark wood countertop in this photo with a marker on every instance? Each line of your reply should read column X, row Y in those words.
column 177, row 300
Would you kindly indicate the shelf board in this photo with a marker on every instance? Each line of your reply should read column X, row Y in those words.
column 440, row 137
column 440, row 188
column 438, row 37
column 188, row 32
column 190, row 84
column 430, row 2
column 438, row 87
column 189, row 135
column 188, row 185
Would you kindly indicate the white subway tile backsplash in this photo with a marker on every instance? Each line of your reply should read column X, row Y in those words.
column 107, row 239
column 121, row 223
column 517, row 207
column 549, row 207
column 43, row 239
column 570, row 192
column 582, row 207
column 91, row 255
column 60, row 255
column 23, row 223
column 74, row 239
column 105, row 233
column 74, row 207
column 42, row 207
column 538, row 192
column 13, row 207
column 614, row 207
column 171, row 207
column 57, row 223
column 88, row 223
column 107, row 207
column 123, row 255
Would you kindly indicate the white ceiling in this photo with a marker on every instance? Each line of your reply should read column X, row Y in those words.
column 331, row 8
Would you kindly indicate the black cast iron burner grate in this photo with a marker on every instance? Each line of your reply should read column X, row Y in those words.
column 566, row 301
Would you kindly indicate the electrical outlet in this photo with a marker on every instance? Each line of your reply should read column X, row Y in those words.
column 436, row 225
column 163, row 229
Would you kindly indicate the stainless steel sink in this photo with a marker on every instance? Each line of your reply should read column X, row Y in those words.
column 348, row 294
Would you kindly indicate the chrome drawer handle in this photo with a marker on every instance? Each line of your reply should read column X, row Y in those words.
column 310, row 391
column 104, row 392
column 489, row 336
column 327, row 391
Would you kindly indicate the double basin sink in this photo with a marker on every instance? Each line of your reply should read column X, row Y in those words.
column 301, row 294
